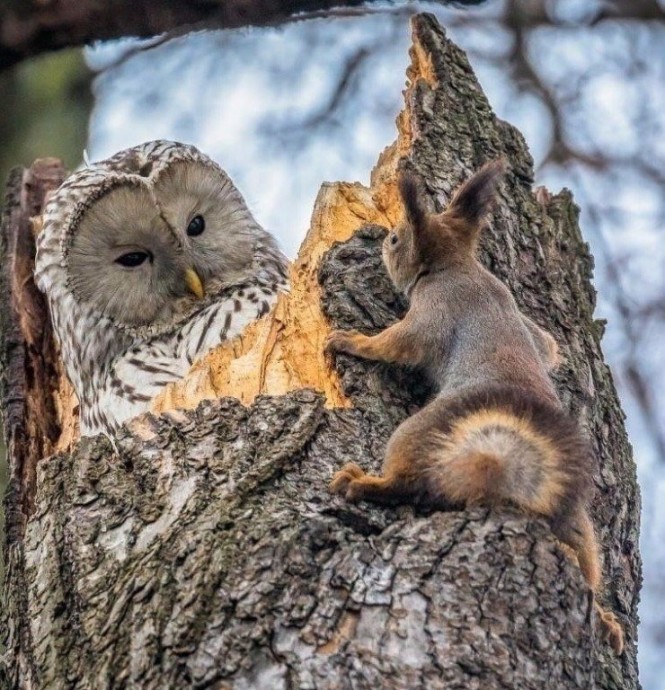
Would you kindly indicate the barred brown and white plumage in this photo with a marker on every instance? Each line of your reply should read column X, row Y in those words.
column 148, row 259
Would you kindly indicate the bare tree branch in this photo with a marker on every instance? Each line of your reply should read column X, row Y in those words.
column 30, row 28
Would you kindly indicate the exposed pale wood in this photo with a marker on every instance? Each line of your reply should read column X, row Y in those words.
column 285, row 351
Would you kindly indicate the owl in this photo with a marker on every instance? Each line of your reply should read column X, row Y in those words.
column 148, row 259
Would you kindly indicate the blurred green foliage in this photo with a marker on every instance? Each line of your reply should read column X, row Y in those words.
column 46, row 104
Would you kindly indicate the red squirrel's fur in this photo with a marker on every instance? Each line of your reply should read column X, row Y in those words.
column 496, row 432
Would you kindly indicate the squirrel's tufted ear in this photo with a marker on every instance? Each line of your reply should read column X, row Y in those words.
column 473, row 200
column 409, row 190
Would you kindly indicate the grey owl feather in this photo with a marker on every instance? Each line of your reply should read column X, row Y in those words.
column 148, row 259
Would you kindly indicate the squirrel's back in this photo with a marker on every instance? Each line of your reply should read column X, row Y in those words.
column 482, row 338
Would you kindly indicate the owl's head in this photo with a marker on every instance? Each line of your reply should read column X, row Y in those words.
column 145, row 235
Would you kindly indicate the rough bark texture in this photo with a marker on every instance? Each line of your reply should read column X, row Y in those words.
column 205, row 550
column 31, row 27
column 30, row 367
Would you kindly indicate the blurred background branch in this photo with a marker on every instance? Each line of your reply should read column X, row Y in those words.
column 30, row 28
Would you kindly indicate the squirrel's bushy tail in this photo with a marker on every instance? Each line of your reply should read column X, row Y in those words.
column 494, row 455
column 501, row 444
column 507, row 445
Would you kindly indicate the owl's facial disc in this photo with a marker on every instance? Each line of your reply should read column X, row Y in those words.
column 211, row 219
column 128, row 264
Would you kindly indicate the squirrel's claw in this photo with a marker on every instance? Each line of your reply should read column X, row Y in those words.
column 340, row 341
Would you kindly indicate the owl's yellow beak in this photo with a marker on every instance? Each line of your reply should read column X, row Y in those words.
column 194, row 284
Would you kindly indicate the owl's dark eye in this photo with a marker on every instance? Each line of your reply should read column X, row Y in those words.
column 132, row 259
column 196, row 226
column 393, row 239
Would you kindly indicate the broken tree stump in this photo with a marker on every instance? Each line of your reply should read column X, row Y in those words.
column 205, row 550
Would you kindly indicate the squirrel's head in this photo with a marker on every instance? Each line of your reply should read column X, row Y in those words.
column 425, row 242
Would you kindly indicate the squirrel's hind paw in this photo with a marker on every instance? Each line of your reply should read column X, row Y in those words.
column 342, row 480
column 612, row 631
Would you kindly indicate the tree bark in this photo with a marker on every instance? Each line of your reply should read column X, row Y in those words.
column 37, row 26
column 205, row 550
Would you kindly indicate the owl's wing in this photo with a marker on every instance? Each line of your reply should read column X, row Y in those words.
column 134, row 380
column 223, row 320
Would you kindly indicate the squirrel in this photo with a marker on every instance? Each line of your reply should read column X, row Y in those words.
column 496, row 432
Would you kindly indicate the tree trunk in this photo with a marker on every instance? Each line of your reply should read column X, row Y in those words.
column 205, row 550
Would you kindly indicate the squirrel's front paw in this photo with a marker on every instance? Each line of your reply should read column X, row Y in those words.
column 341, row 480
column 341, row 341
